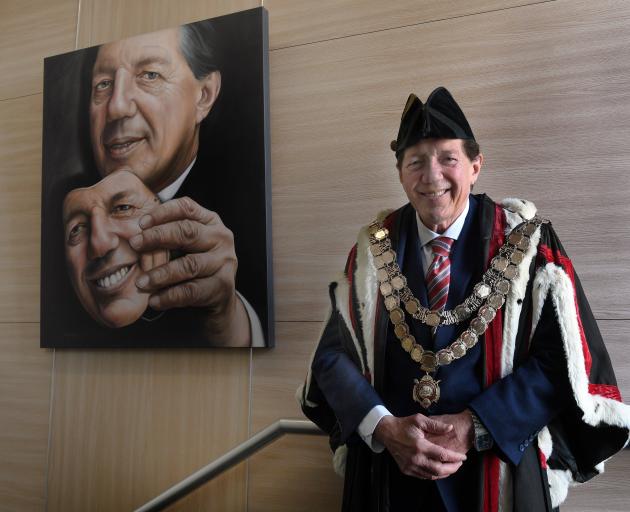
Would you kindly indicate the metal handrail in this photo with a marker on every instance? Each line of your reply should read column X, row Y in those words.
column 231, row 458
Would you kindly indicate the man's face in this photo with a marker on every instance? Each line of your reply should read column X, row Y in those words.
column 437, row 177
column 144, row 108
column 98, row 223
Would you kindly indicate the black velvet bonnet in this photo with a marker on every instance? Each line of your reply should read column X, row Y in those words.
column 440, row 118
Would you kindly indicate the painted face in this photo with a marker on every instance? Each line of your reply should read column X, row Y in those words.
column 437, row 177
column 98, row 223
column 144, row 111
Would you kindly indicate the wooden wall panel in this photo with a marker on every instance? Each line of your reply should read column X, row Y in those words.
column 20, row 192
column 298, row 22
column 102, row 21
column 25, row 372
column 126, row 425
column 546, row 90
column 605, row 493
column 294, row 474
column 29, row 31
column 616, row 334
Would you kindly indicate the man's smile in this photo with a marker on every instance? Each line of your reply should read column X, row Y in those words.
column 120, row 147
column 435, row 194
column 111, row 280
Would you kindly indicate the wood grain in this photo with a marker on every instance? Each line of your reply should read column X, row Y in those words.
column 101, row 21
column 297, row 22
column 546, row 90
column 294, row 474
column 25, row 372
column 20, row 193
column 29, row 31
column 604, row 493
column 126, row 425
column 277, row 373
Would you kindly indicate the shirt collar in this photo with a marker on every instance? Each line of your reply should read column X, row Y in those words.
column 169, row 192
column 453, row 231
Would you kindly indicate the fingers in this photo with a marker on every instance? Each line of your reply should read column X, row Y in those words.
column 440, row 453
column 197, row 293
column 186, row 268
column 178, row 209
column 185, row 235
column 432, row 425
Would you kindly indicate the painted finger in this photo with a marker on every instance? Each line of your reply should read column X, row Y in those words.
column 197, row 293
column 179, row 209
column 184, row 235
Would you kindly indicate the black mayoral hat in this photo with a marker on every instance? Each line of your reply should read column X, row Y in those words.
column 440, row 118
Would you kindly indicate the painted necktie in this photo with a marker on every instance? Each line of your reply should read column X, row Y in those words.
column 439, row 272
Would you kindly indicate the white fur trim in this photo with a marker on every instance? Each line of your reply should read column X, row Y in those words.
column 366, row 285
column 339, row 460
column 559, row 482
column 512, row 308
column 544, row 442
column 526, row 209
column 342, row 296
column 552, row 280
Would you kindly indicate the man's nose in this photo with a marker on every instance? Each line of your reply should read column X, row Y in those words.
column 103, row 237
column 122, row 102
column 433, row 171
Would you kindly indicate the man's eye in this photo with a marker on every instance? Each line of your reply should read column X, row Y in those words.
column 150, row 75
column 76, row 232
column 123, row 209
column 102, row 85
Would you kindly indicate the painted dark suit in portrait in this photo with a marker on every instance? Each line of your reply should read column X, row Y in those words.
column 106, row 113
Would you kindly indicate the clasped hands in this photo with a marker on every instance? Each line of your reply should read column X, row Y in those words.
column 427, row 448
column 203, row 277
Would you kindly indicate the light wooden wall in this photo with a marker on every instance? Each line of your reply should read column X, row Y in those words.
column 546, row 86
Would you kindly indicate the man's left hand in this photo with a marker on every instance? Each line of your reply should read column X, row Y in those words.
column 461, row 437
column 204, row 276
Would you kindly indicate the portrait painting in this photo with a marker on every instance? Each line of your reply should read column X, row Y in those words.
column 156, row 206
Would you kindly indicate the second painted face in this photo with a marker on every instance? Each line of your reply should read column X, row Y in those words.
column 437, row 177
column 98, row 223
column 144, row 108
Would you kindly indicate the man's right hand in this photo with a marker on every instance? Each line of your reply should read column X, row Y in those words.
column 415, row 455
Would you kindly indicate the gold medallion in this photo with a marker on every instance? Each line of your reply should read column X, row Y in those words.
column 396, row 315
column 408, row 342
column 386, row 288
column 401, row 330
column 381, row 234
column 428, row 362
column 412, row 306
column 382, row 274
column 416, row 353
column 432, row 319
column 426, row 391
column 391, row 302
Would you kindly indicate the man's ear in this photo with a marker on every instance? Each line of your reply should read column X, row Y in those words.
column 210, row 88
column 477, row 163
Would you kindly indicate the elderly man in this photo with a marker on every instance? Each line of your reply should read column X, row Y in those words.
column 461, row 368
column 149, row 95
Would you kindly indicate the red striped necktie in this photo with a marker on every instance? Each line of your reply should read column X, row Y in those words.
column 439, row 272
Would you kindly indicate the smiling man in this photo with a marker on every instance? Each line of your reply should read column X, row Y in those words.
column 98, row 223
column 461, row 368
column 149, row 96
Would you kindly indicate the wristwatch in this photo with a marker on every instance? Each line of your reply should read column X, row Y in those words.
column 483, row 439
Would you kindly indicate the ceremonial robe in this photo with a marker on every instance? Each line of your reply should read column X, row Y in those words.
column 540, row 378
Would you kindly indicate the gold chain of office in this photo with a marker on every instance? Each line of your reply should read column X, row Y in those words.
column 487, row 297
